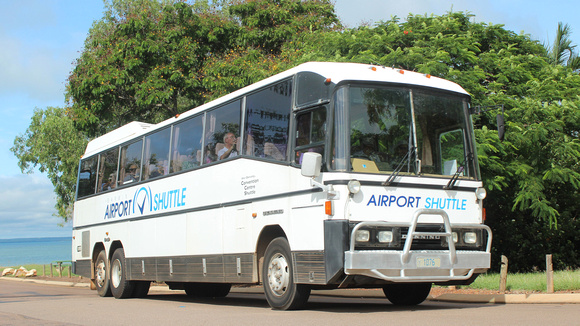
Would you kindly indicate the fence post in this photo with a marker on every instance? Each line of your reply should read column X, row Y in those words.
column 51, row 273
column 503, row 277
column 549, row 274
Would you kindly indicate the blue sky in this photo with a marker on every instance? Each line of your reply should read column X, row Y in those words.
column 40, row 39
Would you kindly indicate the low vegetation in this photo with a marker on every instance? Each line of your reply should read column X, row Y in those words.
column 568, row 280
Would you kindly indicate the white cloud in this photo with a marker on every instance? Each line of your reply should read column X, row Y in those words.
column 27, row 207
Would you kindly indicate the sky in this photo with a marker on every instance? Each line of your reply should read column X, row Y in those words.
column 40, row 40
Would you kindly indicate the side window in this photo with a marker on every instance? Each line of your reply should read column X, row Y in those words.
column 130, row 163
column 222, row 132
column 156, row 159
column 108, row 170
column 268, row 116
column 310, row 132
column 87, row 176
column 186, row 149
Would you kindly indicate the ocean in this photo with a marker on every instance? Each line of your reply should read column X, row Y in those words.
column 17, row 252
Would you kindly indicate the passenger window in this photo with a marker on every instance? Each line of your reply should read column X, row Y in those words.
column 267, row 119
column 108, row 170
column 310, row 133
column 87, row 176
column 131, row 162
column 186, row 147
column 222, row 131
column 156, row 154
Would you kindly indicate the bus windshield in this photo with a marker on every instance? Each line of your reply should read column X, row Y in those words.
column 411, row 131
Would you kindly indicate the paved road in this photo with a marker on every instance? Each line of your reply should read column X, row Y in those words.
column 24, row 303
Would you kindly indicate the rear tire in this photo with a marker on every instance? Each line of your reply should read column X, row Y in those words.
column 407, row 294
column 120, row 286
column 101, row 281
column 278, row 277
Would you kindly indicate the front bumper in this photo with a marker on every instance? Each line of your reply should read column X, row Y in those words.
column 419, row 265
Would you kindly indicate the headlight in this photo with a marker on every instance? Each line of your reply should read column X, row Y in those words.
column 470, row 237
column 353, row 186
column 480, row 193
column 362, row 236
column 455, row 237
column 385, row 236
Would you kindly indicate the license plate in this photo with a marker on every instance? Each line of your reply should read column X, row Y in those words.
column 428, row 262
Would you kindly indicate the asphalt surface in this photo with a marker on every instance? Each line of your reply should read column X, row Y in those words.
column 509, row 298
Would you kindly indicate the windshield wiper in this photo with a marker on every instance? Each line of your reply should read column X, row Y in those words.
column 454, row 178
column 399, row 167
column 460, row 170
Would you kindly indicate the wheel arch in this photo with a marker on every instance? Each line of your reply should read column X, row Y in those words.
column 268, row 233
column 114, row 246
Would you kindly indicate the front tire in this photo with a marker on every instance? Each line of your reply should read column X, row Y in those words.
column 407, row 294
column 101, row 281
column 281, row 291
column 120, row 286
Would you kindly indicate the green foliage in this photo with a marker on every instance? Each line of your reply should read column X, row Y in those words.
column 532, row 177
column 142, row 61
column 567, row 280
column 268, row 24
column 54, row 146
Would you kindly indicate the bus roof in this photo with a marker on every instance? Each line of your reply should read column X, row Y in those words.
column 336, row 72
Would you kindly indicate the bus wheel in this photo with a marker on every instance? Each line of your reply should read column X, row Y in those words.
column 407, row 294
column 120, row 286
column 141, row 288
column 102, row 275
column 281, row 291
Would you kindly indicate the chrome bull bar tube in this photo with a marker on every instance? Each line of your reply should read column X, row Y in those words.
column 399, row 266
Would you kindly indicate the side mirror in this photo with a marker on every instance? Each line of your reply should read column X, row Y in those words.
column 500, row 127
column 311, row 163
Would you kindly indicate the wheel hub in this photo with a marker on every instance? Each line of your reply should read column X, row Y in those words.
column 100, row 273
column 278, row 274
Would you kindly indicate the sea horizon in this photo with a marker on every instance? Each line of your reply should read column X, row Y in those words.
column 39, row 250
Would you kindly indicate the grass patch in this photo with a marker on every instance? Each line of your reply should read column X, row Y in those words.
column 563, row 281
column 46, row 271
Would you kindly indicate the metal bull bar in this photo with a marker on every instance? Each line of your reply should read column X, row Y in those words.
column 371, row 262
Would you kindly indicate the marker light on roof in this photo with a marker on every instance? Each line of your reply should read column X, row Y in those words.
column 401, row 71
column 374, row 68
column 328, row 80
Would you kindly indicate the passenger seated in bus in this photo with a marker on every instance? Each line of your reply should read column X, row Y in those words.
column 229, row 149
column 131, row 176
column 155, row 171
column 110, row 183
column 210, row 155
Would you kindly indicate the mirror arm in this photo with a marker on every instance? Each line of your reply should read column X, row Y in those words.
column 326, row 188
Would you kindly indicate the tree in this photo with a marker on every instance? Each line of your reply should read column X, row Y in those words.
column 563, row 51
column 265, row 27
column 53, row 145
column 142, row 62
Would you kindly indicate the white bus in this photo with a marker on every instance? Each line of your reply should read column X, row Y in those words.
column 328, row 175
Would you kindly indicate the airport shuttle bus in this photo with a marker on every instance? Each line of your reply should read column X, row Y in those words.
column 328, row 175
